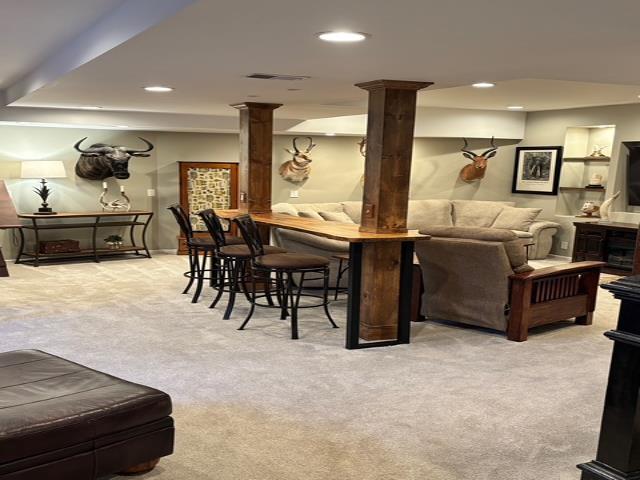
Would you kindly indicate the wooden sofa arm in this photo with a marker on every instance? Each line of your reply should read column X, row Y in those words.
column 552, row 294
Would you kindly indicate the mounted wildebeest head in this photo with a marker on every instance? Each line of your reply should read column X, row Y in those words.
column 101, row 161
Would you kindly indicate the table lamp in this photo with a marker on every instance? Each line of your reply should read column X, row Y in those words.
column 43, row 169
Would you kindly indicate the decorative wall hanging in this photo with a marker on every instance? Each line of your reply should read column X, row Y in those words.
column 101, row 161
column 537, row 170
column 118, row 205
column 298, row 168
column 363, row 151
column 475, row 171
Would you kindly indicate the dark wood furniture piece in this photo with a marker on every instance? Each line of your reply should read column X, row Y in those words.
column 63, row 421
column 618, row 456
column 196, row 193
column 65, row 221
column 609, row 242
column 8, row 219
column 552, row 294
column 397, row 312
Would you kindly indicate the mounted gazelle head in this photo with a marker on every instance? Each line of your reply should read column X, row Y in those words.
column 476, row 170
column 298, row 168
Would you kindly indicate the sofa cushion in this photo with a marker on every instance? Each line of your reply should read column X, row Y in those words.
column 336, row 217
column 514, row 218
column 423, row 213
column 286, row 208
column 473, row 213
column 310, row 214
column 354, row 210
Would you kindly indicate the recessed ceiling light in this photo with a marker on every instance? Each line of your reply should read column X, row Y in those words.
column 158, row 88
column 515, row 107
column 483, row 85
column 330, row 134
column 342, row 36
column 121, row 126
column 90, row 107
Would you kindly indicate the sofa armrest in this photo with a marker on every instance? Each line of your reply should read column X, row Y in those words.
column 314, row 240
column 542, row 238
column 540, row 225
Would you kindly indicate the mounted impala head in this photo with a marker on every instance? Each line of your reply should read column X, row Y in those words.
column 476, row 170
column 299, row 167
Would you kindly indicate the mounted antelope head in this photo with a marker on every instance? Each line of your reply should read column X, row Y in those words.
column 299, row 167
column 476, row 170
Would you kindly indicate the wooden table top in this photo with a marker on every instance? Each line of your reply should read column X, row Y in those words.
column 85, row 214
column 333, row 230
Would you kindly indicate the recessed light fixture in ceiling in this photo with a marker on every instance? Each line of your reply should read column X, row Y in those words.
column 158, row 89
column 342, row 36
column 90, row 107
column 515, row 107
column 121, row 126
column 483, row 85
column 330, row 134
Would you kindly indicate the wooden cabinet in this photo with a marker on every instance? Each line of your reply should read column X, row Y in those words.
column 206, row 185
column 610, row 242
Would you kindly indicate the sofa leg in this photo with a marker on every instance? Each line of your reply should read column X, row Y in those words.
column 141, row 468
column 585, row 319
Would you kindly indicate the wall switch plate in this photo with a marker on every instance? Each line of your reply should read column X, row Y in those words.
column 151, row 192
column 294, row 194
column 564, row 245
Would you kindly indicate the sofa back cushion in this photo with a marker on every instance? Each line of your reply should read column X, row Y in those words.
column 475, row 213
column 336, row 217
column 424, row 213
column 310, row 214
column 353, row 209
column 516, row 218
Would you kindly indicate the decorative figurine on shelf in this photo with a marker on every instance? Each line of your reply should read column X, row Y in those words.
column 119, row 205
column 605, row 208
column 596, row 180
column 362, row 144
column 114, row 242
column 589, row 208
column 597, row 151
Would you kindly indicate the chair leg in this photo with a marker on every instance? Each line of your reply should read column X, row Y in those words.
column 192, row 272
column 294, row 304
column 283, row 299
column 222, row 278
column 326, row 297
column 338, row 278
column 253, row 302
column 200, row 267
column 233, row 285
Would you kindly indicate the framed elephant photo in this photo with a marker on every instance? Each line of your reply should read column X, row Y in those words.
column 537, row 170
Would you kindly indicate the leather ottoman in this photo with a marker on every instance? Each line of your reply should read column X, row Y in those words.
column 62, row 421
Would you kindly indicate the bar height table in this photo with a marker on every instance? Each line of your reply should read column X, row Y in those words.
column 40, row 223
column 357, row 239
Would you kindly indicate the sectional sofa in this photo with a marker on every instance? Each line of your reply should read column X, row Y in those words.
column 422, row 214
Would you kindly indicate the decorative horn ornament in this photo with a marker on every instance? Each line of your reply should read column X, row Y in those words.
column 101, row 161
column 118, row 205
column 298, row 168
column 475, row 171
column 605, row 208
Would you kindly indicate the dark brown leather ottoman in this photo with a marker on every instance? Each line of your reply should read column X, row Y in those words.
column 62, row 421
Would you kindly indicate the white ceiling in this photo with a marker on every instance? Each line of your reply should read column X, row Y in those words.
column 205, row 51
column 32, row 29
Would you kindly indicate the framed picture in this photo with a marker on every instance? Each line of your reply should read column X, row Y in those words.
column 537, row 170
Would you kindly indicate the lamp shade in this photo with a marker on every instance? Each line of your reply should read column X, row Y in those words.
column 43, row 169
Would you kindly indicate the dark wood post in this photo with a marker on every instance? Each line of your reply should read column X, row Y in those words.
column 618, row 456
column 390, row 125
column 636, row 255
column 256, row 147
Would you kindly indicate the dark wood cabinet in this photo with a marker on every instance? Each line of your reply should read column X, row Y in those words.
column 610, row 242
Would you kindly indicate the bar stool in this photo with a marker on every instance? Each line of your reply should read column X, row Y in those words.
column 195, row 247
column 284, row 266
column 231, row 256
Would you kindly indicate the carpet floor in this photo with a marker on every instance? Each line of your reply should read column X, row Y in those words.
column 458, row 403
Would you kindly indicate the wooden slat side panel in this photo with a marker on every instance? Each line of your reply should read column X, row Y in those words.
column 556, row 310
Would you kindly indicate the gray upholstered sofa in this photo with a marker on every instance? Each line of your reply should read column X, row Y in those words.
column 424, row 214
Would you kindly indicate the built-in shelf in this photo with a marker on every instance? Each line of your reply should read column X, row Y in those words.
column 581, row 189
column 587, row 159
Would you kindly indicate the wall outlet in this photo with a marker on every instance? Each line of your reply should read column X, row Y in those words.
column 564, row 245
column 294, row 194
column 151, row 192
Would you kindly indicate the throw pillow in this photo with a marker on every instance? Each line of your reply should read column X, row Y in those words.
column 310, row 214
column 513, row 218
column 336, row 217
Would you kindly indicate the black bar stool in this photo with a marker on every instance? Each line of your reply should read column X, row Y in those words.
column 195, row 246
column 284, row 266
column 231, row 256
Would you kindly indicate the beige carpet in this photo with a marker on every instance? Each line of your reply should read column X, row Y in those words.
column 458, row 403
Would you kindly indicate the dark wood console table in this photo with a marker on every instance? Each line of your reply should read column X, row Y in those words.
column 41, row 223
column 610, row 242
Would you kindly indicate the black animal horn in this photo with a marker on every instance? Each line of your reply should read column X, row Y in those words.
column 464, row 149
column 492, row 149
column 134, row 151
column 90, row 152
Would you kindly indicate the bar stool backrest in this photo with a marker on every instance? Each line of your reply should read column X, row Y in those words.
column 214, row 226
column 182, row 219
column 251, row 234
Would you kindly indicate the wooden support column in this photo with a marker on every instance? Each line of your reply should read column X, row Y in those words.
column 618, row 456
column 390, row 125
column 256, row 147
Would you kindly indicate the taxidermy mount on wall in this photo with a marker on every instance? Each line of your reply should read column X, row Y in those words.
column 476, row 170
column 101, row 161
column 298, row 168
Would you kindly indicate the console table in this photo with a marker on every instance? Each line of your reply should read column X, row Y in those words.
column 610, row 242
column 41, row 223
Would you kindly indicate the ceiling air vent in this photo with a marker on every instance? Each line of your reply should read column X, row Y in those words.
column 275, row 76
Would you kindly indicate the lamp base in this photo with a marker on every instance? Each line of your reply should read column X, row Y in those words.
column 45, row 211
